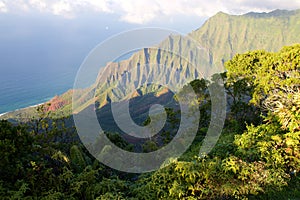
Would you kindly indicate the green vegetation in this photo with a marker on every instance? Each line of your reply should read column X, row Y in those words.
column 223, row 36
column 256, row 157
column 226, row 35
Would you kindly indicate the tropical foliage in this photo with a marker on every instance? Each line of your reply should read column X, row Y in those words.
column 256, row 157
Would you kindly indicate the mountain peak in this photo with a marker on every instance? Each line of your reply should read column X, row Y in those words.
column 220, row 13
column 274, row 13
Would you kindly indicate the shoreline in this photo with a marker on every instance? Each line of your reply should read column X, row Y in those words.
column 45, row 100
column 1, row 114
column 32, row 106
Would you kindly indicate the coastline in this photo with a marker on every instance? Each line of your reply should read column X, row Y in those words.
column 1, row 114
column 32, row 106
column 43, row 101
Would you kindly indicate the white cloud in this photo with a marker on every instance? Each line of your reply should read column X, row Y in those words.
column 3, row 7
column 63, row 8
column 143, row 11
column 102, row 5
column 139, row 11
column 38, row 4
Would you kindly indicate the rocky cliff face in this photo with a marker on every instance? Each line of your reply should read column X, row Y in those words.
column 226, row 35
column 177, row 60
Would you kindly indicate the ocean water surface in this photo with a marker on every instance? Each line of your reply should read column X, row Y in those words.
column 19, row 90
column 39, row 57
column 40, row 53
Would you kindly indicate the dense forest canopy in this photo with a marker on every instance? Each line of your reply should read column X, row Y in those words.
column 256, row 157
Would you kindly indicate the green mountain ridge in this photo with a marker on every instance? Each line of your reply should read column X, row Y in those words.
column 226, row 35
column 222, row 36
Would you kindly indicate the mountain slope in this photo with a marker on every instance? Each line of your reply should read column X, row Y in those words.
column 222, row 36
column 225, row 35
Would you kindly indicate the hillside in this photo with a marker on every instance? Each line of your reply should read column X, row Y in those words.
column 222, row 36
column 226, row 35
column 256, row 157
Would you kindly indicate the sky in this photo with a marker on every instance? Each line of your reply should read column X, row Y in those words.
column 49, row 39
column 141, row 11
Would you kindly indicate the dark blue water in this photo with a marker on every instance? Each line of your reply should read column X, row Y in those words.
column 39, row 57
column 23, row 89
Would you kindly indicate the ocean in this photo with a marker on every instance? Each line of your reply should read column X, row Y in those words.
column 40, row 54
column 20, row 89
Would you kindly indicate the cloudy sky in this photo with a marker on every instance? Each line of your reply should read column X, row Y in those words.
column 141, row 11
